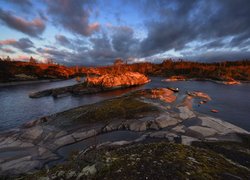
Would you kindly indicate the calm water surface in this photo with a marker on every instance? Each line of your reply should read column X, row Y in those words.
column 233, row 102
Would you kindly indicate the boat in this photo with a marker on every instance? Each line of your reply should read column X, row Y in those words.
column 173, row 89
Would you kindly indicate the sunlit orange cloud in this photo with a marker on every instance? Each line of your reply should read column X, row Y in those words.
column 37, row 22
column 8, row 42
column 46, row 49
column 26, row 58
column 93, row 27
column 22, row 58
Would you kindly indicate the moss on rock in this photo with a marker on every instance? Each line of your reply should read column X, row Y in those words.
column 125, row 107
column 236, row 151
column 159, row 160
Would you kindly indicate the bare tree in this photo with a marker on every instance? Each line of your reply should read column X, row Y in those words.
column 8, row 58
column 117, row 64
column 32, row 60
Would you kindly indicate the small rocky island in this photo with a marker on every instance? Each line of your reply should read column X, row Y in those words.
column 106, row 82
column 146, row 134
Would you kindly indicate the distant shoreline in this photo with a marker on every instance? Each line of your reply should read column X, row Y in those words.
column 13, row 83
column 205, row 79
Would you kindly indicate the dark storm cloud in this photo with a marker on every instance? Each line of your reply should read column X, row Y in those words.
column 182, row 22
column 120, row 44
column 7, row 50
column 23, row 44
column 21, row 3
column 217, row 56
column 61, row 39
column 73, row 15
column 42, row 15
column 214, row 44
column 100, row 50
column 212, row 30
column 123, row 41
column 32, row 28
column 64, row 56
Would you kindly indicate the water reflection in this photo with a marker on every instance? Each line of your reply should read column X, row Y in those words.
column 233, row 102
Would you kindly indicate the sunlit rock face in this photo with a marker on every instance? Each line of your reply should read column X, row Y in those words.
column 175, row 78
column 163, row 94
column 199, row 94
column 118, row 80
column 232, row 82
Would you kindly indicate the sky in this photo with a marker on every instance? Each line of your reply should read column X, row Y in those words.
column 95, row 32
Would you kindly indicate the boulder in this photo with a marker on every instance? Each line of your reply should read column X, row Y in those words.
column 179, row 129
column 68, row 139
column 85, row 134
column 89, row 170
column 187, row 140
column 159, row 134
column 32, row 133
column 186, row 113
column 115, row 125
column 71, row 174
column 40, row 93
column 205, row 131
column 138, row 125
column 120, row 143
column 221, row 126
column 165, row 121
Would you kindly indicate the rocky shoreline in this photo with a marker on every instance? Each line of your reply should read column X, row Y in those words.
column 228, row 82
column 157, row 114
column 97, row 84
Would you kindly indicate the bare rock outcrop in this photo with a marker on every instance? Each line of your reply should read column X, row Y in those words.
column 118, row 80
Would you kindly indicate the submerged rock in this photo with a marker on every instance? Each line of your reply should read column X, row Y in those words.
column 199, row 94
column 163, row 94
column 175, row 78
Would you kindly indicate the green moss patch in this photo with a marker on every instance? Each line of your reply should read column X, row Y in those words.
column 121, row 108
column 160, row 160
column 125, row 107
column 167, row 160
column 236, row 151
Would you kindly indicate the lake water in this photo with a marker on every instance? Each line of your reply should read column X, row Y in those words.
column 233, row 102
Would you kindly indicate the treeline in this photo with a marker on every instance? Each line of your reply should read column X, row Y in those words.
column 30, row 60
column 16, row 71
column 227, row 70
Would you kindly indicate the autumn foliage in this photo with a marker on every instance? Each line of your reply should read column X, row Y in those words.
column 224, row 71
column 13, row 70
column 227, row 70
